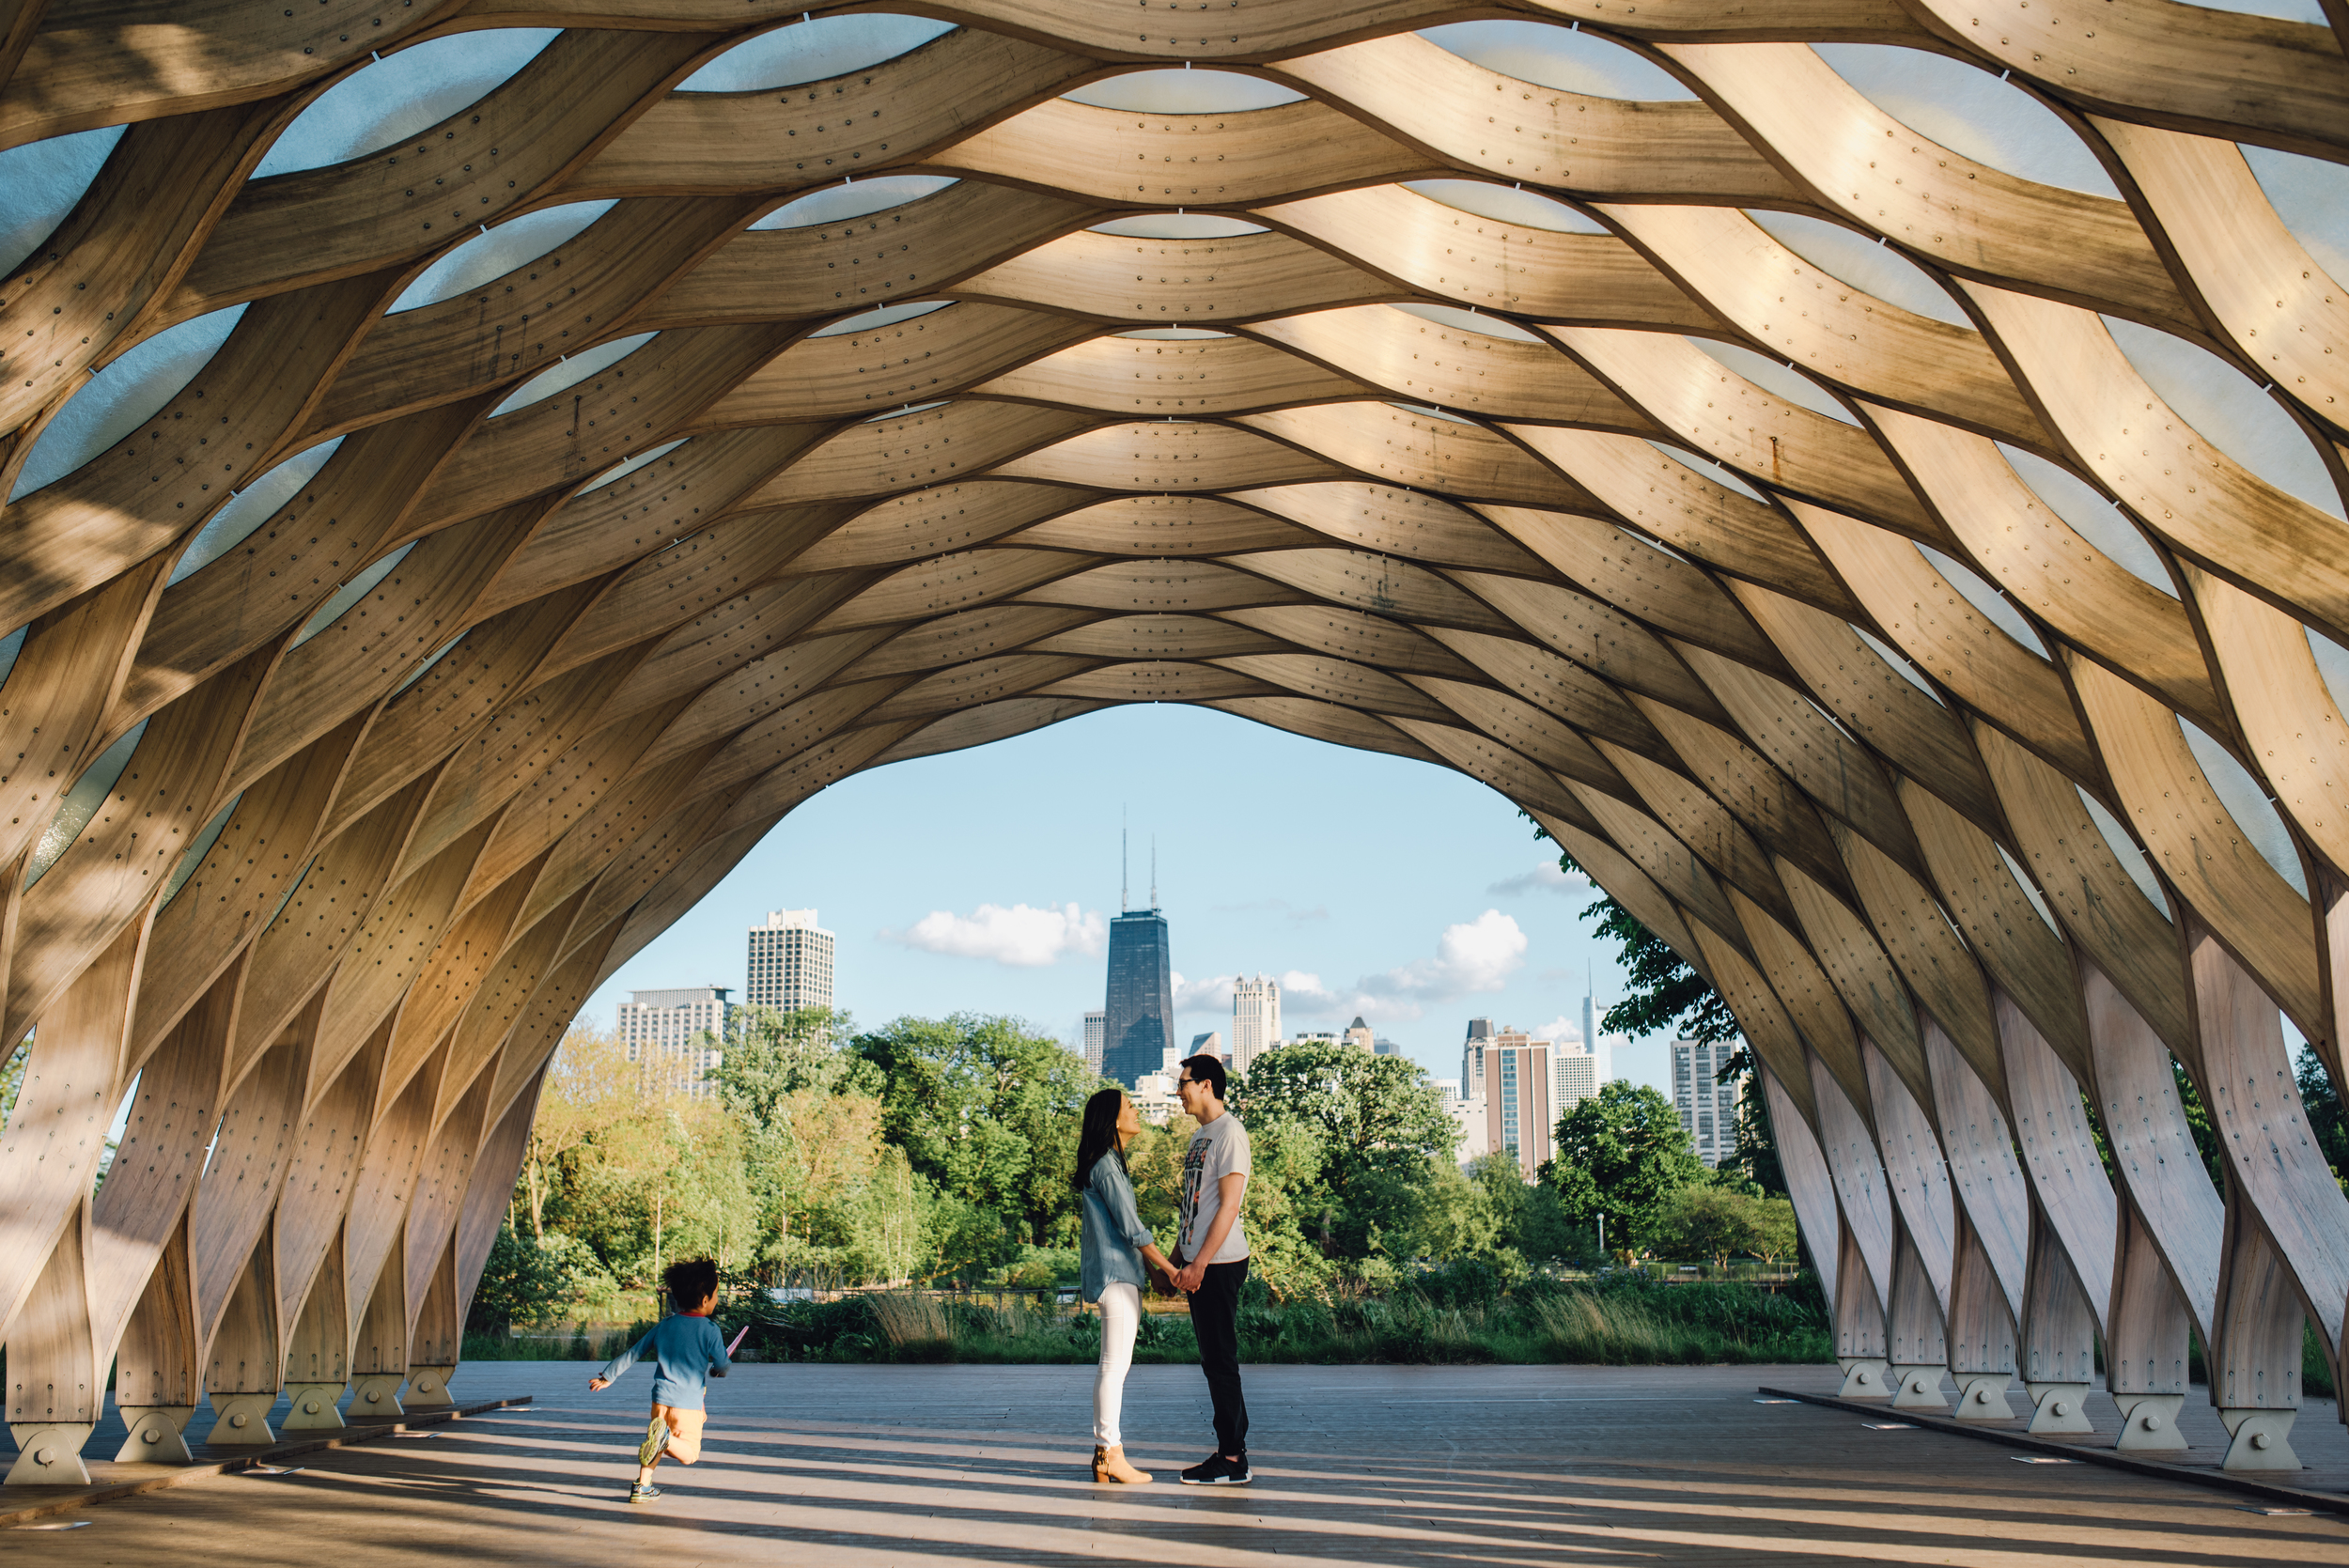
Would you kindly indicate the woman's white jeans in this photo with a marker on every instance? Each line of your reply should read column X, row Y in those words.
column 1121, row 1315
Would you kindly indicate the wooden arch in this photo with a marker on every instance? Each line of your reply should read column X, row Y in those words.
column 1928, row 677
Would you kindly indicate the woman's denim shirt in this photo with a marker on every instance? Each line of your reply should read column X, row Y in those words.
column 1112, row 1235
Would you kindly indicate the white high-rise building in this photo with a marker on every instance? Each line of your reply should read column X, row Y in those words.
column 1576, row 1073
column 1469, row 1116
column 1097, row 1028
column 675, row 1035
column 1708, row 1111
column 1255, row 1019
column 790, row 963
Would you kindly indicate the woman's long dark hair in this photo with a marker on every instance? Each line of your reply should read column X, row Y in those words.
column 1099, row 1135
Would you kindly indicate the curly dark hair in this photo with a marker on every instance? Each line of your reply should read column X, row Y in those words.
column 691, row 1282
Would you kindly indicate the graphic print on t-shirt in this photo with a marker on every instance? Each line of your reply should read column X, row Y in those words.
column 1194, row 1170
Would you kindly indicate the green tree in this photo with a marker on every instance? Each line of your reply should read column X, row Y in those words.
column 1713, row 1221
column 1376, row 1122
column 1775, row 1234
column 2326, row 1122
column 523, row 1282
column 986, row 1110
column 1623, row 1154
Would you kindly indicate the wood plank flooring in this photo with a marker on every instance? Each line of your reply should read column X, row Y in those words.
column 1446, row 1466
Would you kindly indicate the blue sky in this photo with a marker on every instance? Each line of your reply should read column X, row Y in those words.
column 1407, row 892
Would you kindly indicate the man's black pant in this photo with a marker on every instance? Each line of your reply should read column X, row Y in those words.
column 1214, row 1320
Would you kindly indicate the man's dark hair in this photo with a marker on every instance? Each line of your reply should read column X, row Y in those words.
column 691, row 1282
column 1208, row 1070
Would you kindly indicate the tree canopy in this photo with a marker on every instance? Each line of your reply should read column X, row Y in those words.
column 1623, row 1154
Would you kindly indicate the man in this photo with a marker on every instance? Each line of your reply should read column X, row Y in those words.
column 1211, row 1261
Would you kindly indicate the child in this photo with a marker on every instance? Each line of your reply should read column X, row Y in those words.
column 689, row 1351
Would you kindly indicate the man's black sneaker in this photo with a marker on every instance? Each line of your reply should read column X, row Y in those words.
column 1216, row 1470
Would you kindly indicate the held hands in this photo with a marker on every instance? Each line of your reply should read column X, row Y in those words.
column 1190, row 1276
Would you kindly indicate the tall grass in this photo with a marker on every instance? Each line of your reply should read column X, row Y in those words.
column 1615, row 1323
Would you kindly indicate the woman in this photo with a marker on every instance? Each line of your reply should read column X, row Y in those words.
column 1116, row 1246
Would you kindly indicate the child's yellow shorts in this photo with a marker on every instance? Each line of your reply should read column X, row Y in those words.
column 675, row 1432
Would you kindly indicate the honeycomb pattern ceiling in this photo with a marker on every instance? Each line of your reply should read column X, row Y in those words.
column 1865, row 475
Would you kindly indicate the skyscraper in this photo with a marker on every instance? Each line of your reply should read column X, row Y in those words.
column 673, row 1035
column 1708, row 1111
column 1095, row 1030
column 790, row 963
column 1508, row 1071
column 1574, row 1076
column 1358, row 1034
column 1138, row 1028
column 1255, row 1019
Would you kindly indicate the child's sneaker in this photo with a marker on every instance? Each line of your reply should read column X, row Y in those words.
column 646, row 1493
column 656, row 1442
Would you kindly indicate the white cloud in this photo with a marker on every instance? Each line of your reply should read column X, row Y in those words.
column 1021, row 936
column 1471, row 956
column 1211, row 995
column 1559, row 1028
column 1545, row 877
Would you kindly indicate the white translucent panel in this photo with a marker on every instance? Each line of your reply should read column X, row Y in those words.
column 2030, row 891
column 81, row 802
column 2092, row 517
column 39, row 184
column 855, row 199
column 1866, row 265
column 2229, row 410
column 250, row 507
column 1976, row 590
column 2312, row 197
column 622, row 470
column 123, row 396
column 493, row 252
column 866, row 320
column 2332, row 662
column 1558, row 57
column 401, row 94
column 291, row 888
column 425, row 664
column 814, row 52
column 1185, row 92
column 1772, row 376
column 1507, row 204
column 1970, row 111
column 352, row 593
column 1468, row 320
column 1431, row 412
column 1173, row 334
column 570, row 372
column 1900, row 663
column 198, row 850
column 10, row 645
column 1710, row 469
column 1180, row 226
column 2248, row 803
column 2124, row 850
column 903, row 409
column 2310, row 12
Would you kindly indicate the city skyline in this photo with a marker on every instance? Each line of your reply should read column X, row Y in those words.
column 1471, row 916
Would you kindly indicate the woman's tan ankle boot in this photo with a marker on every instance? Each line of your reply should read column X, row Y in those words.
column 1109, row 1464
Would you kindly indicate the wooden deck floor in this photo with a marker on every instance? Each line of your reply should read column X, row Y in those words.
column 939, row 1467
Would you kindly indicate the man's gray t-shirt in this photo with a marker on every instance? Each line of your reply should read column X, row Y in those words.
column 1216, row 1150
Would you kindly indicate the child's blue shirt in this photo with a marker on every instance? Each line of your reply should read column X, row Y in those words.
column 685, row 1351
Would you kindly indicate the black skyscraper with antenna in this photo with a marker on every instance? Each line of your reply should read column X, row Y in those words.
column 1140, row 1026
